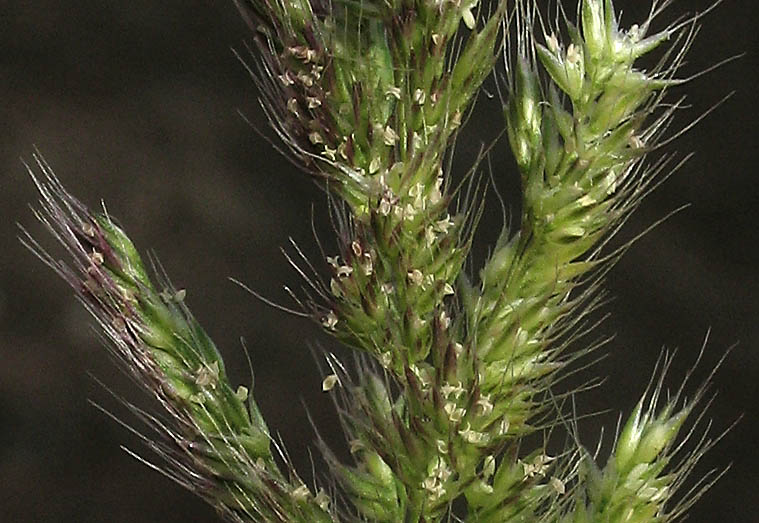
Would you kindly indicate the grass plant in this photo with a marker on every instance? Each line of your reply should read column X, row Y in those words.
column 457, row 369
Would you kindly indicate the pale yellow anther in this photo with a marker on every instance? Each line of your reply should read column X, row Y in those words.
column 456, row 119
column 468, row 18
column 455, row 414
column 472, row 436
column 301, row 493
column 322, row 499
column 385, row 206
column 503, row 427
column 634, row 33
column 329, row 382
column 586, row 201
column 344, row 271
column 356, row 445
column 488, row 466
column 329, row 153
column 445, row 321
column 557, row 485
column 394, row 92
column 242, row 393
column 538, row 467
column 436, row 194
column 374, row 165
column 415, row 277
column 208, row 375
column 440, row 469
column 636, row 142
column 96, row 257
column 416, row 141
column 553, row 43
column 444, row 225
column 573, row 54
column 330, row 320
column 434, row 488
column 456, row 390
column 389, row 136
column 342, row 150
column 484, row 406
column 429, row 236
column 286, row 79
column 306, row 79
column 386, row 359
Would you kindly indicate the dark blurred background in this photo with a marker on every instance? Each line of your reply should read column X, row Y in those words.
column 135, row 103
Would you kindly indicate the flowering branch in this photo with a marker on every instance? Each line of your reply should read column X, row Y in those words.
column 453, row 372
column 215, row 442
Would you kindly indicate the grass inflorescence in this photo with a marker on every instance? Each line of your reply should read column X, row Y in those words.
column 455, row 376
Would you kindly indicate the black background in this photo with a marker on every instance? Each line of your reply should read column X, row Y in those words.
column 135, row 103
